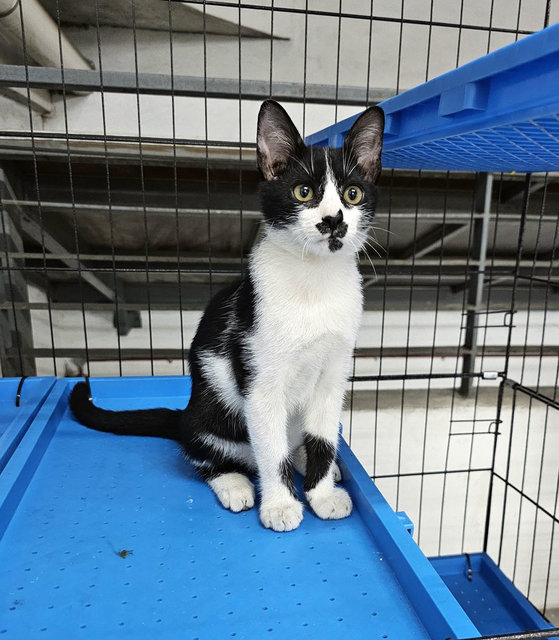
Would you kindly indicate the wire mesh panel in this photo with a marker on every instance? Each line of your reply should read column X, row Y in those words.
column 129, row 195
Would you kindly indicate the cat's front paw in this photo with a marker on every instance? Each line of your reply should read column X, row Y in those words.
column 234, row 490
column 281, row 516
column 334, row 505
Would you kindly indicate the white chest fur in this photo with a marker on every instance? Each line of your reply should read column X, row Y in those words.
column 307, row 306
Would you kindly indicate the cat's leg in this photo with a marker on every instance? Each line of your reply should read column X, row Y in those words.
column 267, row 425
column 300, row 463
column 322, row 415
column 222, row 461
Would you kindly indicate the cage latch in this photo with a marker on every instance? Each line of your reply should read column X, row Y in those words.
column 89, row 397
column 470, row 573
column 18, row 392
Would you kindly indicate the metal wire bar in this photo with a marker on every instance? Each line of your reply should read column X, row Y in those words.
column 207, row 152
column 422, row 474
column 186, row 86
column 524, row 635
column 517, row 386
column 10, row 282
column 355, row 16
column 71, row 183
column 240, row 124
column 524, row 495
column 520, row 247
column 417, row 376
column 176, row 182
column 142, row 180
column 453, row 399
column 36, row 174
column 108, row 176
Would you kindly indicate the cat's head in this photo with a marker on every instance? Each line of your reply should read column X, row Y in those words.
column 319, row 199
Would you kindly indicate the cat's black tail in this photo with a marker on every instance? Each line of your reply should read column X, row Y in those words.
column 160, row 423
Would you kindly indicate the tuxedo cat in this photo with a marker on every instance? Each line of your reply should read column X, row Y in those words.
column 272, row 353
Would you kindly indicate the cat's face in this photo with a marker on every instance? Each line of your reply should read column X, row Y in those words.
column 318, row 200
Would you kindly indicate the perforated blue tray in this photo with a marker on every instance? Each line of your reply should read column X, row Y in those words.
column 21, row 399
column 105, row 536
column 489, row 598
column 497, row 113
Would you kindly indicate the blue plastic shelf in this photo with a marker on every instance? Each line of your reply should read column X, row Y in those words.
column 17, row 413
column 489, row 598
column 497, row 113
column 105, row 536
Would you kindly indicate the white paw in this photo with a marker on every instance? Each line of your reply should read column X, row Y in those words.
column 334, row 505
column 282, row 516
column 234, row 491
column 336, row 472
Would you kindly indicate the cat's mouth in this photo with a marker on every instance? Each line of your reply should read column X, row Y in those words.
column 334, row 244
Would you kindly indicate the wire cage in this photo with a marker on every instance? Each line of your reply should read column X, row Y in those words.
column 129, row 195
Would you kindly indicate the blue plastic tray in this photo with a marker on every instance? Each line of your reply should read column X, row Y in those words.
column 18, row 410
column 489, row 598
column 106, row 536
column 497, row 113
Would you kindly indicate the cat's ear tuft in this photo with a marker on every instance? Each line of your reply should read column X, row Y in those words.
column 364, row 142
column 277, row 140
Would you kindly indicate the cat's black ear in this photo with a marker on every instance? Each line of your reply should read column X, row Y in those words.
column 364, row 142
column 277, row 140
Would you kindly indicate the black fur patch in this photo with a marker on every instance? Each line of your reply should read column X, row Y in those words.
column 286, row 472
column 227, row 320
column 320, row 456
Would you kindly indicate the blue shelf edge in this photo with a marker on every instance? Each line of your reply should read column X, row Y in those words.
column 489, row 598
column 423, row 585
column 438, row 610
column 15, row 420
column 506, row 102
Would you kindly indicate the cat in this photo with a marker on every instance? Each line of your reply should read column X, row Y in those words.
column 272, row 353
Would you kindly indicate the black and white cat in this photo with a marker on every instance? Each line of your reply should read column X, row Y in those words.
column 272, row 353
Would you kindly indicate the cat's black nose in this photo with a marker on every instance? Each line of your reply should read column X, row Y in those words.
column 334, row 225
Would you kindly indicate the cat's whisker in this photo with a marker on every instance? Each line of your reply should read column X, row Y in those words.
column 372, row 248
column 373, row 238
column 393, row 233
column 303, row 166
column 371, row 243
column 352, row 169
column 370, row 261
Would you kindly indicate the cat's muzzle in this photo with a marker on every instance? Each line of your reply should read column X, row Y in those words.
column 336, row 227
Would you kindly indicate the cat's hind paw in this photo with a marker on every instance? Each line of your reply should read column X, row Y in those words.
column 284, row 516
column 234, row 490
column 335, row 505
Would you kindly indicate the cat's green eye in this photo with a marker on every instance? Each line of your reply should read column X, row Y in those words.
column 353, row 194
column 303, row 192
